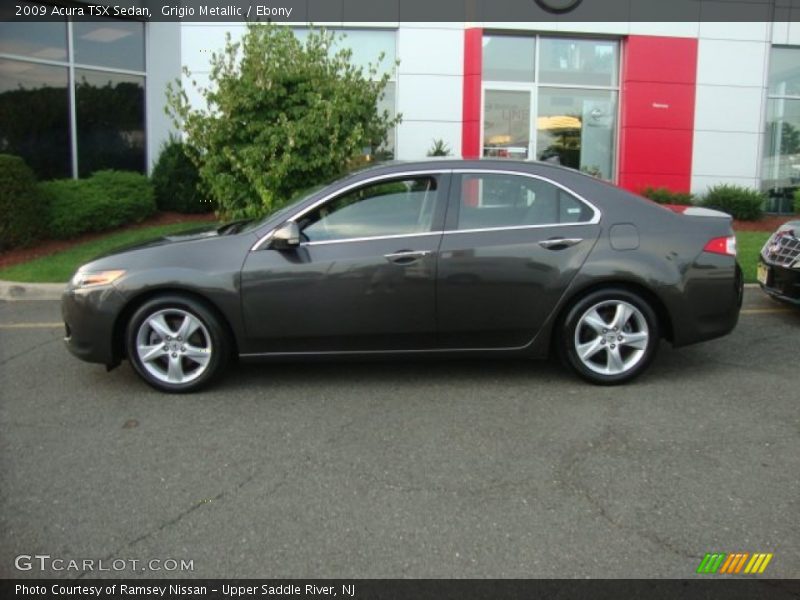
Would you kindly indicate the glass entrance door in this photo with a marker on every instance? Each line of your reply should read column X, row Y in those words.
column 507, row 123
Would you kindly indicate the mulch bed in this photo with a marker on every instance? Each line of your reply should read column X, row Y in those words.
column 766, row 223
column 21, row 255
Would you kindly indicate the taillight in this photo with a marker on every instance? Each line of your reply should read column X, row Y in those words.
column 722, row 245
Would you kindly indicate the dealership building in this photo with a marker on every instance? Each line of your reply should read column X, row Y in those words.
column 685, row 105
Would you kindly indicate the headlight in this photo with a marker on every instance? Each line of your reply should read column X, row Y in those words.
column 85, row 279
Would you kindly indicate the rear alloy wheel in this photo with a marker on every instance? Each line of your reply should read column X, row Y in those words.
column 610, row 336
column 176, row 344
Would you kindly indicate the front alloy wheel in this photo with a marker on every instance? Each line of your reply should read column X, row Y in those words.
column 610, row 336
column 176, row 344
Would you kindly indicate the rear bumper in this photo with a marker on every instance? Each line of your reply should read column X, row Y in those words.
column 89, row 317
column 714, row 290
column 783, row 283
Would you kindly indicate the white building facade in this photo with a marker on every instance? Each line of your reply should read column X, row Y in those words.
column 683, row 105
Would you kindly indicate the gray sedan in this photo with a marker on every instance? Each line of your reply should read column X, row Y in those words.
column 438, row 258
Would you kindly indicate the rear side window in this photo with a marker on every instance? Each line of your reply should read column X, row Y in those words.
column 496, row 200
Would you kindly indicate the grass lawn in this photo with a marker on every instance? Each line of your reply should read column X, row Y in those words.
column 59, row 267
column 748, row 246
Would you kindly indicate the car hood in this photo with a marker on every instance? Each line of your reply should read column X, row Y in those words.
column 201, row 232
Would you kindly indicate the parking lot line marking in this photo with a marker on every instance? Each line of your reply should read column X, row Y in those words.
column 30, row 325
column 764, row 311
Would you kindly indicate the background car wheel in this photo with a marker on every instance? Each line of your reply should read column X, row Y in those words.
column 609, row 336
column 176, row 344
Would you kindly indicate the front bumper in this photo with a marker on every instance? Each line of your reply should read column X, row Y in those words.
column 89, row 316
column 782, row 283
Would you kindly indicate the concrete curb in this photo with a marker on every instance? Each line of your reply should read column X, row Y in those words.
column 15, row 290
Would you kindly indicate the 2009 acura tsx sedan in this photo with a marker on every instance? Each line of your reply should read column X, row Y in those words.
column 444, row 258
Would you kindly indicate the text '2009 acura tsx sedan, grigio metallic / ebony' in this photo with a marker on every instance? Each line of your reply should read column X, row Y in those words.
column 438, row 258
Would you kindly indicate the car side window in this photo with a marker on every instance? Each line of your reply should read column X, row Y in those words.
column 496, row 200
column 394, row 207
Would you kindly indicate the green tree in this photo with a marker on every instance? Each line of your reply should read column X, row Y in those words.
column 280, row 115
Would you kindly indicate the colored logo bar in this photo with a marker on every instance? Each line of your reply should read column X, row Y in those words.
column 734, row 563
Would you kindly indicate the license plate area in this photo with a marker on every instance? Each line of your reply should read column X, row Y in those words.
column 764, row 274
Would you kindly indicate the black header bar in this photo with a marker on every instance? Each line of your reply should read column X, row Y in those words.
column 396, row 11
column 393, row 589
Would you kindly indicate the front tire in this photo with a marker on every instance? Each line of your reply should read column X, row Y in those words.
column 176, row 344
column 609, row 336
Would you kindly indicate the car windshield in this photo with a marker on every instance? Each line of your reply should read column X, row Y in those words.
column 286, row 208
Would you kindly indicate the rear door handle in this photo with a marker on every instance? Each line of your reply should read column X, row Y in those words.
column 406, row 257
column 559, row 243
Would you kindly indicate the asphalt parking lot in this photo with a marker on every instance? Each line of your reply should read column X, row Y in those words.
column 409, row 469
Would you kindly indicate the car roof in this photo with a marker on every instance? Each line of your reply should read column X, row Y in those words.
column 451, row 162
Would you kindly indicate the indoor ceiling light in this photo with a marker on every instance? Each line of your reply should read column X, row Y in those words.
column 105, row 35
column 51, row 53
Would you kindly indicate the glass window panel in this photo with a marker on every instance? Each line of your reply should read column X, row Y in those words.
column 495, row 200
column 367, row 46
column 34, row 116
column 781, row 166
column 110, row 43
column 579, row 62
column 388, row 103
column 110, row 115
column 506, row 123
column 508, row 58
column 576, row 128
column 45, row 39
column 784, row 72
column 387, row 208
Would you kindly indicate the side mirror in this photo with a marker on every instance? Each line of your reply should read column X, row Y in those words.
column 286, row 236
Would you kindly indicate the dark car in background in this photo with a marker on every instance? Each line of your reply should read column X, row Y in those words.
column 437, row 258
column 779, row 264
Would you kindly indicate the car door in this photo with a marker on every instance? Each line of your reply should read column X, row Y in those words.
column 511, row 246
column 362, row 278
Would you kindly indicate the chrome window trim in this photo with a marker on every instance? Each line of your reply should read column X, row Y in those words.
column 593, row 221
column 397, row 236
column 488, row 171
column 516, row 227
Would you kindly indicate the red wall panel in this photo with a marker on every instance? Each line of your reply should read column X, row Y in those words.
column 657, row 122
column 662, row 105
column 661, row 59
column 660, row 151
column 471, row 109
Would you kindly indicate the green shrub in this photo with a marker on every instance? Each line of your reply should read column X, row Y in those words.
column 439, row 148
column 176, row 181
column 741, row 203
column 105, row 200
column 797, row 202
column 281, row 114
column 20, row 204
column 663, row 195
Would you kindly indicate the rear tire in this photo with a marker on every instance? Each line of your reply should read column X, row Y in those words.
column 609, row 336
column 176, row 344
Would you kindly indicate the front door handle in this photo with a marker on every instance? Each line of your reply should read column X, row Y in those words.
column 406, row 257
column 559, row 243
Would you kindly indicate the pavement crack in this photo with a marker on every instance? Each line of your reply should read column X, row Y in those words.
column 187, row 512
column 572, row 481
column 28, row 351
